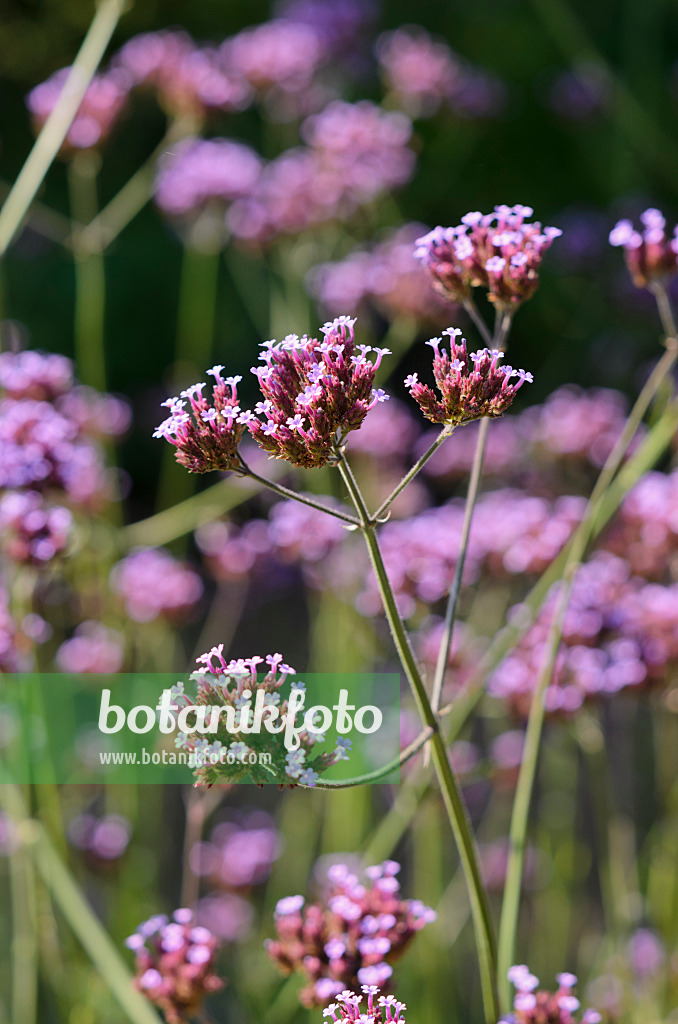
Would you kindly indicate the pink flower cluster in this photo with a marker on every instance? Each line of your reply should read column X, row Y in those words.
column 314, row 393
column 351, row 936
column 31, row 532
column 467, row 392
column 532, row 1005
column 645, row 531
column 152, row 582
column 379, row 1009
column 104, row 840
column 354, row 153
column 204, row 172
column 93, row 648
column 619, row 632
column 424, row 73
column 500, row 252
column 385, row 277
column 97, row 115
column 650, row 253
column 175, row 964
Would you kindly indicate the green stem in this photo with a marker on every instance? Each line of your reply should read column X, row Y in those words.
column 302, row 499
column 380, row 773
column 455, row 589
column 454, row 805
column 23, row 950
column 416, row 468
column 528, row 769
column 55, row 128
column 90, row 281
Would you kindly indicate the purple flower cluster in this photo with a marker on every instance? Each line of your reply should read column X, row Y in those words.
column 424, row 73
column 500, row 252
column 207, row 437
column 175, row 964
column 188, row 80
column 385, row 276
column 532, row 1005
column 645, row 531
column 104, row 840
column 315, row 393
column 32, row 532
column 280, row 53
column 650, row 254
column 467, row 392
column 152, row 582
column 204, row 172
column 234, row 750
column 379, row 1009
column 354, row 153
column 238, row 854
column 619, row 632
column 351, row 936
column 96, row 116
column 39, row 375
column 92, row 648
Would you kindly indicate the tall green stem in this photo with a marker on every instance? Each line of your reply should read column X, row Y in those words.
column 454, row 805
column 90, row 282
column 576, row 551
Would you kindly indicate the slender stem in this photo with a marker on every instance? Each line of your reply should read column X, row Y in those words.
column 90, row 281
column 416, row 468
column 55, row 128
column 481, row 326
column 379, row 773
column 576, row 550
column 455, row 589
column 498, row 340
column 105, row 227
column 454, row 805
column 286, row 493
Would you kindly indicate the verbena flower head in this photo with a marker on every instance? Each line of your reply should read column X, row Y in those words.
column 96, row 116
column 350, row 937
column 532, row 1005
column 499, row 251
column 245, row 694
column 374, row 1009
column 201, row 172
column 206, row 434
column 470, row 385
column 175, row 964
column 239, row 853
column 152, row 582
column 650, row 254
column 315, row 392
column 31, row 531
column 92, row 648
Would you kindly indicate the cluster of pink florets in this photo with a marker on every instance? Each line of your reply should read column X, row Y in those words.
column 535, row 1006
column 499, row 251
column 175, row 964
column 350, row 1007
column 650, row 253
column 471, row 386
column 351, row 937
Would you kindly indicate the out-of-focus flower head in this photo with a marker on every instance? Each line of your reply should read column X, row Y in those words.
column 92, row 648
column 355, row 153
column 650, row 254
column 96, row 116
column 175, row 964
column 207, row 437
column 339, row 24
column 189, row 80
column 39, row 375
column 645, row 530
column 201, row 172
column 31, row 530
column 315, row 392
column 153, row 582
column 532, row 1004
column 423, row 73
column 350, row 937
column 471, row 386
column 387, row 276
column 500, row 252
column 281, row 53
column 238, row 855
column 379, row 1009
column 236, row 752
column 103, row 839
